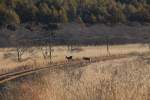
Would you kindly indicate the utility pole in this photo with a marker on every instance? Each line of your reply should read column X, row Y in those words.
column 107, row 43
column 50, row 47
column 50, row 28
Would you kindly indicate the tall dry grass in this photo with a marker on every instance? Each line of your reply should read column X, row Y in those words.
column 8, row 55
column 124, row 79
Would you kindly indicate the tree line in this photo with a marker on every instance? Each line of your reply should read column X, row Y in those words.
column 64, row 11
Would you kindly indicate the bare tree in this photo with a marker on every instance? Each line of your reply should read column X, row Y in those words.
column 50, row 48
column 70, row 46
column 20, row 51
column 51, row 28
column 44, row 50
column 18, row 43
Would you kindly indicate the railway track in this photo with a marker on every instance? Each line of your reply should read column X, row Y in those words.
column 13, row 75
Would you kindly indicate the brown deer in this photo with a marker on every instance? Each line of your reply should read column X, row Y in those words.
column 69, row 58
column 87, row 59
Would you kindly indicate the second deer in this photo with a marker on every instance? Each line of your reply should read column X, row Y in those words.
column 69, row 58
column 87, row 59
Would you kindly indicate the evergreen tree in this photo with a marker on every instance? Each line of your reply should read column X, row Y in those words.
column 44, row 13
column 26, row 11
column 12, row 17
column 63, row 16
column 51, row 11
column 2, row 15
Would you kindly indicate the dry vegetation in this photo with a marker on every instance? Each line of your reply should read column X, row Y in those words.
column 120, row 79
column 8, row 57
column 123, row 79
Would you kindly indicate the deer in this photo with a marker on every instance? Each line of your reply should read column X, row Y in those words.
column 87, row 59
column 69, row 58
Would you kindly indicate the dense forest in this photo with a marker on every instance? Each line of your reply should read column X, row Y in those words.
column 39, row 17
column 64, row 11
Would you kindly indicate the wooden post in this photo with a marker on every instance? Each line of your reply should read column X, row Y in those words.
column 50, row 48
column 108, row 49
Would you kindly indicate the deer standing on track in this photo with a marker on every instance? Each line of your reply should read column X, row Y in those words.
column 69, row 58
column 87, row 59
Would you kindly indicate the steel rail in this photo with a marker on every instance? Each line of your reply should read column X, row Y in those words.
column 13, row 75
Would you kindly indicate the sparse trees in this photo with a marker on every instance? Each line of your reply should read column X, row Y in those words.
column 50, row 31
column 20, row 51
column 19, row 45
column 44, row 52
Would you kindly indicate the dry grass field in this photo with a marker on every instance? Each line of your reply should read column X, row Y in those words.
column 116, row 79
column 8, row 57
column 122, row 79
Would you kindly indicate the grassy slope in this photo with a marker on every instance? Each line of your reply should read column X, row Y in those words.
column 124, row 79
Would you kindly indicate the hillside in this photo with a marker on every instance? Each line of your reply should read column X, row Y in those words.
column 76, row 21
column 74, row 33
column 100, row 34
column 63, row 11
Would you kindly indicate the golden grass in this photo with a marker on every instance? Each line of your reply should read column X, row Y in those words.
column 61, row 51
column 123, row 79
